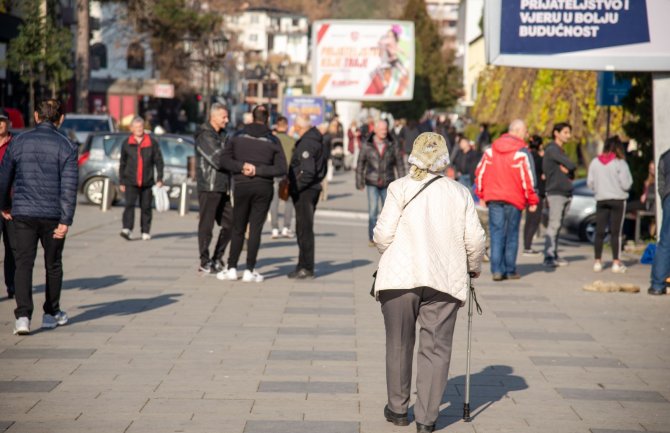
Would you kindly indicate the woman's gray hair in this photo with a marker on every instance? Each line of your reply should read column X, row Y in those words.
column 137, row 119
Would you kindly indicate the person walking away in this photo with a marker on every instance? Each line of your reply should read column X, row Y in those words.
column 438, row 231
column 533, row 219
column 558, row 171
column 255, row 158
column 287, row 144
column 308, row 167
column 140, row 156
column 610, row 178
column 660, row 269
column 213, row 180
column 379, row 163
column 9, row 263
column 505, row 183
column 38, row 196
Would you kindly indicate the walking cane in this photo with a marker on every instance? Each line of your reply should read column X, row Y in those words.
column 472, row 299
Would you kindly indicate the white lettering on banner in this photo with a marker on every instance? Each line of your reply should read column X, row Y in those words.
column 559, row 31
column 575, row 5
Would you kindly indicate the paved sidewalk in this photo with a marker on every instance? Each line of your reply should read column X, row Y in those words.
column 154, row 347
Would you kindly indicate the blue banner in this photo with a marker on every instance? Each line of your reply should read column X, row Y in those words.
column 313, row 106
column 562, row 26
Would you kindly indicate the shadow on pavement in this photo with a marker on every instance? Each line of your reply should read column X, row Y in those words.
column 327, row 267
column 124, row 307
column 87, row 283
column 332, row 197
column 181, row 235
column 487, row 387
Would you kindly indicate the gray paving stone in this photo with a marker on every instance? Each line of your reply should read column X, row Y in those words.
column 301, row 427
column 550, row 315
column 315, row 355
column 515, row 298
column 87, row 327
column 4, row 425
column 34, row 353
column 315, row 331
column 611, row 395
column 551, row 336
column 319, row 310
column 576, row 361
column 309, row 387
column 13, row 386
column 324, row 294
column 601, row 430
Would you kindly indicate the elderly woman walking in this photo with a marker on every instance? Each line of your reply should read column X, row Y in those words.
column 430, row 239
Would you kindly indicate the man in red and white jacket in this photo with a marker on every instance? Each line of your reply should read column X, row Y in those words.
column 504, row 180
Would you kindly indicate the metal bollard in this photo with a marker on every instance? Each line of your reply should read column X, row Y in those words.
column 104, row 203
column 183, row 201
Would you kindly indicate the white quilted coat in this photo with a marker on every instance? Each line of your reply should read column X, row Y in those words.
column 434, row 242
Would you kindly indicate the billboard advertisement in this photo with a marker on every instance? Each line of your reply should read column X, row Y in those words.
column 363, row 60
column 621, row 35
column 313, row 106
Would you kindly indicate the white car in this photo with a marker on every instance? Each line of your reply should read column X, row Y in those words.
column 84, row 124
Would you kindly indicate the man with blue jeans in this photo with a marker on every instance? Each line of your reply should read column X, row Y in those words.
column 504, row 180
column 380, row 162
column 660, row 269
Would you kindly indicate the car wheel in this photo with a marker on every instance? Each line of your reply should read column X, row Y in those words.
column 587, row 231
column 93, row 190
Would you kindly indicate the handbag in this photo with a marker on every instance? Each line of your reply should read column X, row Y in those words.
column 374, row 276
column 284, row 187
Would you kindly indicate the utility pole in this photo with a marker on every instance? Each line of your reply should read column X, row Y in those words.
column 82, row 56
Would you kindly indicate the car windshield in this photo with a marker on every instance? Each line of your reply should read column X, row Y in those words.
column 86, row 125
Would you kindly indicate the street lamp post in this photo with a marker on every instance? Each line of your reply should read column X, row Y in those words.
column 209, row 52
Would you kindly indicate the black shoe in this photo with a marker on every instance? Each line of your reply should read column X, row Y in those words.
column 301, row 274
column 513, row 276
column 550, row 262
column 423, row 428
column 395, row 418
column 217, row 266
column 498, row 277
column 206, row 267
column 653, row 291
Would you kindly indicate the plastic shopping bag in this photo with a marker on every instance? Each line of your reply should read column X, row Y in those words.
column 161, row 199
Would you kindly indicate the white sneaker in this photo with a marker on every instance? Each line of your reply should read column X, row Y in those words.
column 619, row 268
column 287, row 233
column 126, row 234
column 230, row 274
column 146, row 237
column 22, row 326
column 252, row 277
column 275, row 233
column 58, row 319
column 597, row 267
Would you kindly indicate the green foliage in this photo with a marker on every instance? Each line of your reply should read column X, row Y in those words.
column 437, row 82
column 42, row 51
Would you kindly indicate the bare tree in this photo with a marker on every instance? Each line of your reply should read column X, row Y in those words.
column 82, row 56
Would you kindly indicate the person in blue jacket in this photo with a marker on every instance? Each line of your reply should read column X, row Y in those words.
column 38, row 195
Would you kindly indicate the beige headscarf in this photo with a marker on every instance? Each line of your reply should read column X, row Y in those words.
column 429, row 155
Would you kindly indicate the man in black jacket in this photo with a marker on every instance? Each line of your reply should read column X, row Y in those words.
column 38, row 195
column 213, row 186
column 255, row 157
column 308, row 168
column 558, row 169
column 378, row 162
column 140, row 155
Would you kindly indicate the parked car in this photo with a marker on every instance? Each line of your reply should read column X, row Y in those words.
column 84, row 124
column 99, row 159
column 581, row 216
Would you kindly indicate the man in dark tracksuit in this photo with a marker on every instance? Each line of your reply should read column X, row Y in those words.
column 558, row 169
column 140, row 154
column 308, row 168
column 660, row 270
column 213, row 190
column 255, row 157
column 38, row 196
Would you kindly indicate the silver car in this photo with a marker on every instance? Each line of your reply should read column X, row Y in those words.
column 82, row 125
column 99, row 159
column 581, row 216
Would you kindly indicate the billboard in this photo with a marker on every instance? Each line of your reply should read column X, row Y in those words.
column 363, row 60
column 314, row 107
column 621, row 35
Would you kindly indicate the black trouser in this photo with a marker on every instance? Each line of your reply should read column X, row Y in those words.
column 26, row 232
column 252, row 202
column 214, row 206
column 305, row 206
column 531, row 225
column 10, row 264
column 609, row 213
column 144, row 194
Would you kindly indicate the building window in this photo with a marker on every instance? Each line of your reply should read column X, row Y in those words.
column 254, row 19
column 253, row 37
column 135, row 56
column 296, row 22
column 98, row 53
